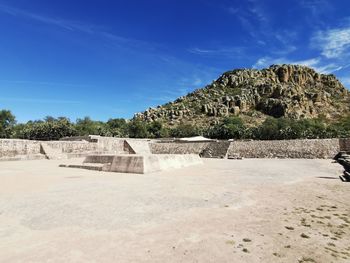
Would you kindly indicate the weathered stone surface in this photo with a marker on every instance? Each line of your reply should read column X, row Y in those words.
column 281, row 91
column 309, row 149
column 135, row 163
column 13, row 149
column 216, row 150
column 178, row 147
column 318, row 148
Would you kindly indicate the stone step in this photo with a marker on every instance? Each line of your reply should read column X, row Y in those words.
column 99, row 158
column 140, row 164
column 89, row 166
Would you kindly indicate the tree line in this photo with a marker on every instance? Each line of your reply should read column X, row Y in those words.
column 51, row 128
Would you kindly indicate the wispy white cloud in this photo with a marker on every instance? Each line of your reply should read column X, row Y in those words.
column 256, row 20
column 345, row 81
column 232, row 51
column 253, row 18
column 328, row 68
column 189, row 83
column 232, row 10
column 316, row 63
column 44, row 83
column 42, row 101
column 285, row 38
column 312, row 62
column 161, row 99
column 197, row 82
column 259, row 14
column 62, row 23
column 333, row 43
column 267, row 61
column 285, row 50
column 201, row 51
column 77, row 26
column 316, row 7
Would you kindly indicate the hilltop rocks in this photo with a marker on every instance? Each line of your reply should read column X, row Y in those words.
column 280, row 91
column 160, row 113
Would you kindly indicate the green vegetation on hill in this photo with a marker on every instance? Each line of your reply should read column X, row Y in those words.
column 280, row 129
column 229, row 128
column 289, row 91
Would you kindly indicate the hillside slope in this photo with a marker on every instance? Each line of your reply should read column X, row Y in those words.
column 289, row 91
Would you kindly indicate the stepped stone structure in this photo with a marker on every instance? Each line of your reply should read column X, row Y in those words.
column 146, row 155
column 136, row 158
column 136, row 163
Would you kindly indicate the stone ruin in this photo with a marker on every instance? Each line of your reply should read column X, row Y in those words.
column 136, row 158
column 149, row 155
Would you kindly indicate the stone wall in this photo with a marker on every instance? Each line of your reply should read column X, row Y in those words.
column 138, row 146
column 110, row 144
column 178, row 147
column 73, row 146
column 122, row 145
column 309, row 149
column 315, row 148
column 13, row 149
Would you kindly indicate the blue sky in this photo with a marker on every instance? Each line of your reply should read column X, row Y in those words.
column 108, row 59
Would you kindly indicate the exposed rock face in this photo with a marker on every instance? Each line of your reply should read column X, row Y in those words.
column 290, row 91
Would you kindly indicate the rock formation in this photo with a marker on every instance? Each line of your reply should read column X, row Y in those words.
column 289, row 91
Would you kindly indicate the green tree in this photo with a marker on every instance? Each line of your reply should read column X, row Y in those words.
column 48, row 130
column 229, row 128
column 341, row 128
column 7, row 122
column 185, row 130
column 157, row 130
column 49, row 119
column 137, row 129
column 268, row 130
column 18, row 131
column 312, row 129
column 86, row 126
column 117, row 127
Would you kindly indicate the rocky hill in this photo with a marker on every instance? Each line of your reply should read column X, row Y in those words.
column 290, row 91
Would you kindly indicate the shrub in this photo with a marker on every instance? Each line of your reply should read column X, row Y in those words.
column 185, row 130
column 230, row 128
column 49, row 130
column 137, row 129
column 7, row 122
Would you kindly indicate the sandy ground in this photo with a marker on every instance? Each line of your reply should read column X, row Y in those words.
column 221, row 211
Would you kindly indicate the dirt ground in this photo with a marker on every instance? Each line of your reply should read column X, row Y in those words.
column 222, row 211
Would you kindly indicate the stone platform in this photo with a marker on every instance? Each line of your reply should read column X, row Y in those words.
column 134, row 163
